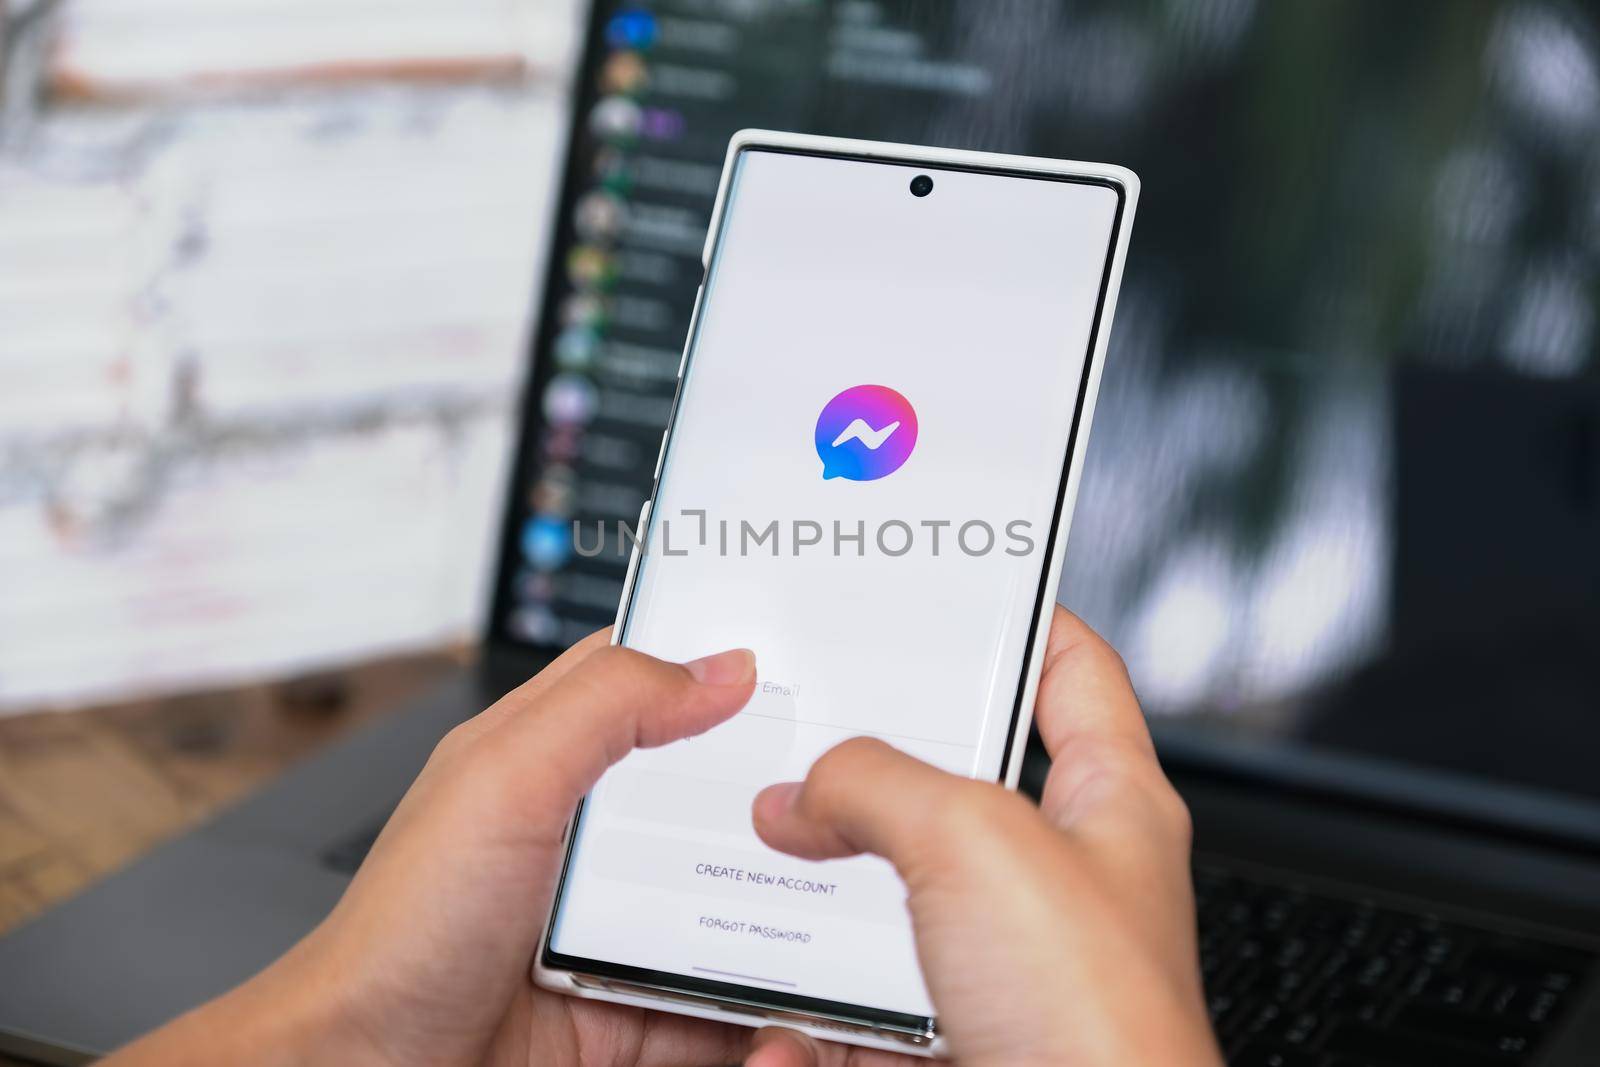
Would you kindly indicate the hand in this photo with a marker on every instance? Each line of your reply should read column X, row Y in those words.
column 1071, row 941
column 426, row 958
column 1058, row 934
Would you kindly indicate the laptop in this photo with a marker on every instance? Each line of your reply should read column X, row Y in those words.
column 1339, row 511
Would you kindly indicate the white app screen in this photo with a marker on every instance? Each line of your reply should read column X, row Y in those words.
column 891, row 598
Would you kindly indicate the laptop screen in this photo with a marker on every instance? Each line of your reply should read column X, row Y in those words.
column 1344, row 484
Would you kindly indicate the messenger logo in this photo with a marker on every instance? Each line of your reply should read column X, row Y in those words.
column 865, row 433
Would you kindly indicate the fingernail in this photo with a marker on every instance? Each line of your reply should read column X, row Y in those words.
column 725, row 668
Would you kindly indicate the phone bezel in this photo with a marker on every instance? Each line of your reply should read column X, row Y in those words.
column 857, row 1024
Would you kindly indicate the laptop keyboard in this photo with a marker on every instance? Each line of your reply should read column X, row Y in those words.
column 1296, row 979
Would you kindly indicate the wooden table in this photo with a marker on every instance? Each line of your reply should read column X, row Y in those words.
column 84, row 792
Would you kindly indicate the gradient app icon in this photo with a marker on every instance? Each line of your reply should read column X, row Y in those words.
column 865, row 433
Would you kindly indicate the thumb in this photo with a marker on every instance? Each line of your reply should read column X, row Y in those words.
column 863, row 796
column 612, row 702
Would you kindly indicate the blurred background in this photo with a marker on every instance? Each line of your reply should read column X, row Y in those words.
column 269, row 277
column 266, row 271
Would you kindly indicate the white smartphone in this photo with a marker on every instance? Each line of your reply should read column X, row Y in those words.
column 867, row 478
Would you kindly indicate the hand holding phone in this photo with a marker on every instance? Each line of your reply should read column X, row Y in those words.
column 1064, row 933
column 867, row 478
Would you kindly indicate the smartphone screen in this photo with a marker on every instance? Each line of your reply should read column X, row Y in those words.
column 860, row 484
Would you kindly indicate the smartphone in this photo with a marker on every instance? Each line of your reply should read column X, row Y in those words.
column 867, row 478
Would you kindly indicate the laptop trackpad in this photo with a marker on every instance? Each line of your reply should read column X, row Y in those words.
column 175, row 928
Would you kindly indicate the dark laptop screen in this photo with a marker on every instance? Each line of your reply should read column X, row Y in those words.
column 1344, row 485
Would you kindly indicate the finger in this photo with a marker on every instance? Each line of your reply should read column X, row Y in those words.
column 775, row 1047
column 860, row 796
column 520, row 697
column 613, row 701
column 564, row 663
column 1085, row 691
column 1104, row 773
